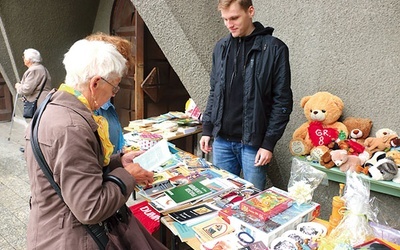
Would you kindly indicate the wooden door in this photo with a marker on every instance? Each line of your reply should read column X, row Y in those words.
column 5, row 101
column 127, row 23
column 167, row 92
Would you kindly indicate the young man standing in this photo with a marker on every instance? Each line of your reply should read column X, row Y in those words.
column 250, row 98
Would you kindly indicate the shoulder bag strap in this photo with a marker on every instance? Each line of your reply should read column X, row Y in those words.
column 41, row 89
column 97, row 231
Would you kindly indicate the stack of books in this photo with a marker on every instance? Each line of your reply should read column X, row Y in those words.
column 191, row 193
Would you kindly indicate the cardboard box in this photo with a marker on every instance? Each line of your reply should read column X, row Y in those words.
column 274, row 227
column 266, row 204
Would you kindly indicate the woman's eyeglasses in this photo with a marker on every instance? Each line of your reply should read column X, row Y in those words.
column 115, row 89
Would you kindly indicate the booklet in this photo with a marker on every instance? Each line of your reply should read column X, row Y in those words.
column 158, row 158
column 188, row 192
column 212, row 229
column 193, row 215
column 179, row 195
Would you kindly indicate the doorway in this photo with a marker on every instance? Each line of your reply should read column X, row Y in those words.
column 162, row 90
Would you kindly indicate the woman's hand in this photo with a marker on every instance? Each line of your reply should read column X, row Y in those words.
column 142, row 176
column 128, row 157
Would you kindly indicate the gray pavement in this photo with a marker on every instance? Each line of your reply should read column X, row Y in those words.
column 14, row 186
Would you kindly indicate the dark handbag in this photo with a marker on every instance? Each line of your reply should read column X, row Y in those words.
column 122, row 231
column 30, row 107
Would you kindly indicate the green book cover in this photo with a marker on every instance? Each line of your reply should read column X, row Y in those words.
column 188, row 192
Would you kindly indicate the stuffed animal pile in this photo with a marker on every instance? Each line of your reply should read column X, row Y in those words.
column 324, row 139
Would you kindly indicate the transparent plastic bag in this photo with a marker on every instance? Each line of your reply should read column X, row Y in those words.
column 304, row 179
column 354, row 229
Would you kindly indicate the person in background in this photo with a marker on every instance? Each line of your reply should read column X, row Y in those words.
column 75, row 144
column 108, row 110
column 250, row 98
column 34, row 77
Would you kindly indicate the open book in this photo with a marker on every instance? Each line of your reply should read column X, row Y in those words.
column 158, row 158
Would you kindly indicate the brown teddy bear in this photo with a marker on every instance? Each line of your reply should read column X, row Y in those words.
column 359, row 128
column 322, row 111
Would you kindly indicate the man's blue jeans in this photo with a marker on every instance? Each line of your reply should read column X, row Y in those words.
column 235, row 156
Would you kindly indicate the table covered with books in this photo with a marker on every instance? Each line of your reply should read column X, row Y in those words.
column 209, row 208
column 174, row 125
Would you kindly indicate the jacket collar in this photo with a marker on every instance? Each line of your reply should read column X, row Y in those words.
column 69, row 101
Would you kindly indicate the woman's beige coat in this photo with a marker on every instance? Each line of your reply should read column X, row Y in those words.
column 67, row 139
column 32, row 81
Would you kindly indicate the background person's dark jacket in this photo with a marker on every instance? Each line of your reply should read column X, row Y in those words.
column 267, row 95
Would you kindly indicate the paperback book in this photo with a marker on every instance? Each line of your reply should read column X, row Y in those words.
column 193, row 215
column 266, row 204
column 157, row 188
column 158, row 158
column 212, row 229
column 188, row 192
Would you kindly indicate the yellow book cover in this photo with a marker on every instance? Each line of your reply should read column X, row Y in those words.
column 212, row 229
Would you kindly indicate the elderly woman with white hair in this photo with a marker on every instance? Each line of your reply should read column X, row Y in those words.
column 75, row 145
column 35, row 77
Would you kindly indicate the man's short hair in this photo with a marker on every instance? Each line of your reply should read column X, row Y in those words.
column 224, row 4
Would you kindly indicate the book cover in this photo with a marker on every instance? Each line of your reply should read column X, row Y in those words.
column 229, row 241
column 212, row 229
column 234, row 197
column 157, row 188
column 193, row 215
column 179, row 180
column 187, row 192
column 266, row 204
column 163, row 203
column 210, row 174
column 161, row 177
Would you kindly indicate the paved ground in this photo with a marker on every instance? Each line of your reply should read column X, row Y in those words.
column 14, row 187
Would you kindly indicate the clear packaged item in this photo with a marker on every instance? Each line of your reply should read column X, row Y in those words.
column 354, row 229
column 304, row 179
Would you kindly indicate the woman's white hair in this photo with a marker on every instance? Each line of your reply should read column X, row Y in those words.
column 86, row 59
column 32, row 55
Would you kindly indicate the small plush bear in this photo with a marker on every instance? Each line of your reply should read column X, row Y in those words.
column 359, row 128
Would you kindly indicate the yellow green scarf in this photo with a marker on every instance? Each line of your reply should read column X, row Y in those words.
column 100, row 120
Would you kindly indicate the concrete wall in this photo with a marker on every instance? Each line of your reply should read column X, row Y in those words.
column 349, row 48
column 46, row 25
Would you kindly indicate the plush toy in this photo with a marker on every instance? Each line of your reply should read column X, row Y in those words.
column 374, row 144
column 384, row 132
column 381, row 167
column 322, row 111
column 395, row 155
column 344, row 161
column 316, row 153
column 326, row 160
column 359, row 128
